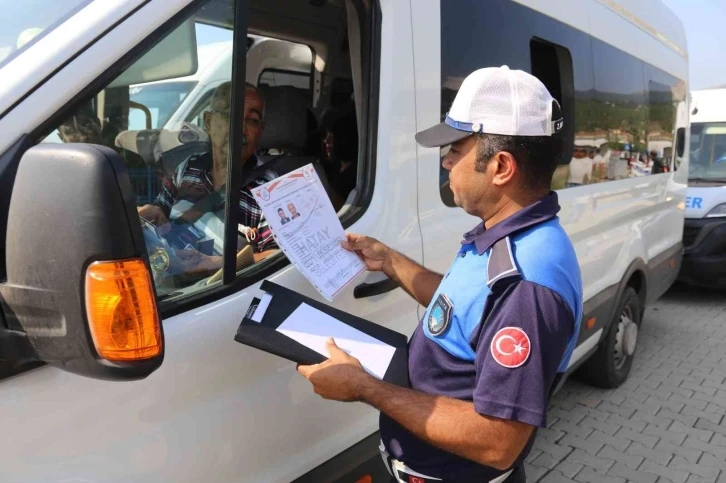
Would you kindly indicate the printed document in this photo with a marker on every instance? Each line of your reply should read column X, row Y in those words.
column 308, row 230
column 311, row 328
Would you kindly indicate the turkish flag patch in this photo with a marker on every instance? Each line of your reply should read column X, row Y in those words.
column 510, row 347
column 415, row 479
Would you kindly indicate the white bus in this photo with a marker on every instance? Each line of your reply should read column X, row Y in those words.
column 75, row 296
column 704, row 236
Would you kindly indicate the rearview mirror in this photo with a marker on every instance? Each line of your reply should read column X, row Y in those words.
column 78, row 293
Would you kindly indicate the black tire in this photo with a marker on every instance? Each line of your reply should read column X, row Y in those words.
column 610, row 365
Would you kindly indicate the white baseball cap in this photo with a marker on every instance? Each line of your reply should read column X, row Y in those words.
column 497, row 100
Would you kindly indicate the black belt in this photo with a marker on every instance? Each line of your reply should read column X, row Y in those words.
column 517, row 474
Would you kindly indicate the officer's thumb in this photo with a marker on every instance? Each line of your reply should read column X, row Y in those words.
column 350, row 243
column 331, row 347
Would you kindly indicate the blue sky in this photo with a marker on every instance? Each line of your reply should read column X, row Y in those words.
column 705, row 24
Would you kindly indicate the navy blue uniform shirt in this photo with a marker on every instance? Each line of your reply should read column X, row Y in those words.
column 500, row 327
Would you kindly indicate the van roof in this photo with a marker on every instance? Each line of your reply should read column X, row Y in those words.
column 656, row 18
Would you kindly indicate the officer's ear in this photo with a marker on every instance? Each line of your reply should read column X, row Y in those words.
column 506, row 168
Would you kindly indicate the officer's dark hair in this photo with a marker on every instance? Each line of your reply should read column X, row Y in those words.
column 536, row 156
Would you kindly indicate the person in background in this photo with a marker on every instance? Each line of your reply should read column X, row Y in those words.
column 580, row 169
column 658, row 166
column 340, row 148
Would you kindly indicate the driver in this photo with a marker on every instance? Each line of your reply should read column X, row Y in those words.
column 202, row 177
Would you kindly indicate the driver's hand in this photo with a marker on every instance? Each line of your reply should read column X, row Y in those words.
column 194, row 261
column 153, row 214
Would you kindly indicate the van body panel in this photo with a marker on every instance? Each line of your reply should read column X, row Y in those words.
column 217, row 409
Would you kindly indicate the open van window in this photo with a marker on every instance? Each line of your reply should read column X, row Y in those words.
column 174, row 133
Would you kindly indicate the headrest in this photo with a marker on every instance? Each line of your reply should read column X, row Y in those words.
column 286, row 118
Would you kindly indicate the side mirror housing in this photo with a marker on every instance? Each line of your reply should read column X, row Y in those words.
column 72, row 210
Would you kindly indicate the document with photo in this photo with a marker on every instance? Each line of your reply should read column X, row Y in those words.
column 307, row 229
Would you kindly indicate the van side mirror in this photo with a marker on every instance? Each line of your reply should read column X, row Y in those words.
column 78, row 292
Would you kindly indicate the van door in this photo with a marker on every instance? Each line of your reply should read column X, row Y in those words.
column 216, row 410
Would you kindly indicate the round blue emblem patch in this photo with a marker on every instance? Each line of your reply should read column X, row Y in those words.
column 440, row 315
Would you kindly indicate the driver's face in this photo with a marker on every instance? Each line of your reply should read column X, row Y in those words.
column 217, row 122
column 253, row 126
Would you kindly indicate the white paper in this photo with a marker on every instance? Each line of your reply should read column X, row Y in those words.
column 311, row 327
column 262, row 307
column 308, row 230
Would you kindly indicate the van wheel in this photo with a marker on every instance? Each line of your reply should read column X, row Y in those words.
column 610, row 365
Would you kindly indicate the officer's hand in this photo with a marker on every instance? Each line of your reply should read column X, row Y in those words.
column 375, row 254
column 339, row 378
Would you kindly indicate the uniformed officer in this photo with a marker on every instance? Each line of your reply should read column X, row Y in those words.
column 501, row 324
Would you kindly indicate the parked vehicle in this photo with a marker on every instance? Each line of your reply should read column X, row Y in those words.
column 75, row 119
column 704, row 236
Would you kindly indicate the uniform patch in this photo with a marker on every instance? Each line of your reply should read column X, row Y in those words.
column 510, row 347
column 440, row 315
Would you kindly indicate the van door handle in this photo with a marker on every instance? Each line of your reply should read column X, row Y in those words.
column 372, row 289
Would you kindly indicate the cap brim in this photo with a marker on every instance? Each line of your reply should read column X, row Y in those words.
column 440, row 135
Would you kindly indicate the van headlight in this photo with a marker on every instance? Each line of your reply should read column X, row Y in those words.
column 718, row 211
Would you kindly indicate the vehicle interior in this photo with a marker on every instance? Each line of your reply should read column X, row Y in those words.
column 310, row 117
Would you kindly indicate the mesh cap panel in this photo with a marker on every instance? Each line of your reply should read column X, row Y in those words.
column 504, row 101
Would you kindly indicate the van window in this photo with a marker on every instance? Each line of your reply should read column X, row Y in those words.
column 177, row 181
column 665, row 93
column 152, row 105
column 619, row 117
column 24, row 23
column 552, row 64
column 708, row 152
column 273, row 78
column 523, row 39
column 174, row 134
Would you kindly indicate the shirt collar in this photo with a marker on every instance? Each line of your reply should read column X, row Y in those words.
column 541, row 211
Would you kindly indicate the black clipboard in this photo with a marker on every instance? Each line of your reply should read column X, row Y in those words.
column 264, row 336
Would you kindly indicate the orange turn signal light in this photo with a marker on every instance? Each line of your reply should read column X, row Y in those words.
column 121, row 310
column 591, row 322
column 365, row 479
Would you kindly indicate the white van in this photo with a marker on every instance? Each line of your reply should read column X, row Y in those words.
column 75, row 292
column 704, row 236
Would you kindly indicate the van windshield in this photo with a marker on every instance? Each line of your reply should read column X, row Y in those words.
column 23, row 23
column 161, row 100
column 708, row 152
